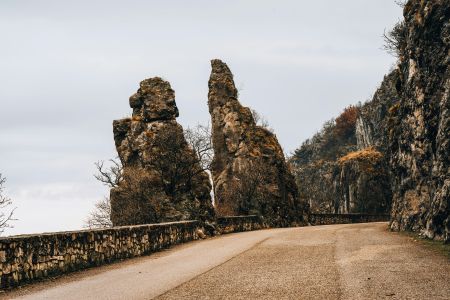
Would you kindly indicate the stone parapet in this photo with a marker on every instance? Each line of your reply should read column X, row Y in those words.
column 32, row 257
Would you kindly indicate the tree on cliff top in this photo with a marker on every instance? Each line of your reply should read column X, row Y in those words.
column 6, row 214
column 345, row 123
column 260, row 120
column 395, row 39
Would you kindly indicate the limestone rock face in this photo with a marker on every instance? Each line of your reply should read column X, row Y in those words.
column 351, row 175
column 244, row 153
column 363, row 182
column 420, row 129
column 319, row 184
column 163, row 180
column 408, row 122
column 372, row 125
column 355, row 183
column 155, row 100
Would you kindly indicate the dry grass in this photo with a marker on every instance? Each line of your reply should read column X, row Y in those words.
column 366, row 155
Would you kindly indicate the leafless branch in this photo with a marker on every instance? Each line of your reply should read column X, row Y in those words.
column 100, row 217
column 395, row 40
column 6, row 215
column 110, row 176
column 260, row 120
column 199, row 138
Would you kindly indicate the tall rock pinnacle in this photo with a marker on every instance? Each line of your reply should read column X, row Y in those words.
column 249, row 170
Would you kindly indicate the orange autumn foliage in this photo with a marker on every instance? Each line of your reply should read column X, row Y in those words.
column 345, row 123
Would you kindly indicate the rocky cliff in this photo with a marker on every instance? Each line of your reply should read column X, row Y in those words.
column 420, row 121
column 162, row 178
column 372, row 124
column 405, row 129
column 363, row 182
column 249, row 170
column 344, row 167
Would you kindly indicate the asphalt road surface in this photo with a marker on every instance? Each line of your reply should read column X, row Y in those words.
column 354, row 261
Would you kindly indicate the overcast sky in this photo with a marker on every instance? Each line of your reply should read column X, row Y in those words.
column 67, row 69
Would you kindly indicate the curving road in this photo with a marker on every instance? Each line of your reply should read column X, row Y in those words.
column 354, row 261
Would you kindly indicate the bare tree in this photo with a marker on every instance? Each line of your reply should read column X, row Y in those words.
column 199, row 138
column 260, row 120
column 100, row 217
column 167, row 186
column 141, row 199
column 6, row 214
column 395, row 39
column 110, row 176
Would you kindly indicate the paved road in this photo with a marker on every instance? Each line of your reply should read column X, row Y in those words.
column 355, row 261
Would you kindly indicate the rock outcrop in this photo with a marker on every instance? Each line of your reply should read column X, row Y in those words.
column 348, row 173
column 249, row 170
column 420, row 122
column 363, row 182
column 162, row 178
column 372, row 125
column 408, row 123
column 318, row 184
column 355, row 183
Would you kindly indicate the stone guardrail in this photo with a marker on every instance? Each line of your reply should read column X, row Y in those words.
column 26, row 258
column 230, row 224
column 327, row 219
column 30, row 257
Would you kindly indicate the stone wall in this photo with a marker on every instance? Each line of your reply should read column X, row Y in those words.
column 239, row 223
column 30, row 257
column 326, row 219
column 27, row 258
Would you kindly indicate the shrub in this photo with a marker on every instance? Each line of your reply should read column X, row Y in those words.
column 367, row 159
column 395, row 40
column 345, row 123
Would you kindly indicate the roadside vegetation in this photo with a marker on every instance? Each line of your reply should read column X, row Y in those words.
column 435, row 245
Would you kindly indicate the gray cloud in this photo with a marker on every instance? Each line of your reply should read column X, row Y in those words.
column 68, row 67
